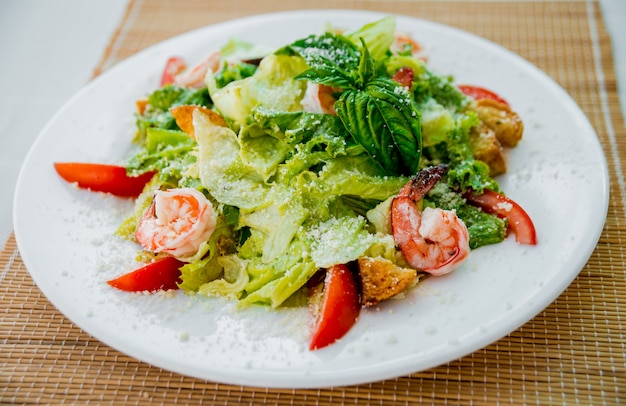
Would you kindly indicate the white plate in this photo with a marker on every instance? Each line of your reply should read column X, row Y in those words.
column 558, row 174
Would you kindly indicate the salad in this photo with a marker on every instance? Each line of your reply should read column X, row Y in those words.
column 334, row 172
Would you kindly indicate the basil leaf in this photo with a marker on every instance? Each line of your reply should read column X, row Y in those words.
column 326, row 48
column 328, row 75
column 383, row 120
column 367, row 70
column 402, row 119
column 333, row 60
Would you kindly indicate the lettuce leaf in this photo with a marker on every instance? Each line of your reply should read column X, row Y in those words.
column 359, row 176
column 273, row 86
column 233, row 281
column 465, row 172
column 221, row 169
column 157, row 114
column 206, row 267
column 338, row 240
column 483, row 228
column 170, row 152
column 428, row 86
column 377, row 36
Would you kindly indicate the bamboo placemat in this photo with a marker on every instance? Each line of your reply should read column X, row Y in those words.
column 571, row 353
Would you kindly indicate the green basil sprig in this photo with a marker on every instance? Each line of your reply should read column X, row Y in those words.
column 376, row 111
column 381, row 118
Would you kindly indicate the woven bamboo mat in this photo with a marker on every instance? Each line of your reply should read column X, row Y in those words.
column 571, row 353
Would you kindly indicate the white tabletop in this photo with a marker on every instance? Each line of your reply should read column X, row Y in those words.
column 49, row 49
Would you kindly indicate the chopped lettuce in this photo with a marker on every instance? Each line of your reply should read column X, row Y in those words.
column 377, row 36
column 465, row 172
column 483, row 228
column 157, row 114
column 273, row 86
column 428, row 86
column 206, row 266
column 237, row 50
column 338, row 240
column 170, row 152
column 231, row 72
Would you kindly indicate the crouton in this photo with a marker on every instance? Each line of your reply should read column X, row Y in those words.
column 381, row 279
column 486, row 147
column 506, row 124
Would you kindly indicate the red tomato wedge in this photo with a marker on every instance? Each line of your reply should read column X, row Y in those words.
column 519, row 221
column 103, row 178
column 173, row 67
column 404, row 76
column 478, row 93
column 162, row 274
column 340, row 307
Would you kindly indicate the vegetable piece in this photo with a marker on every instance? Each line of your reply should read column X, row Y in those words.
column 378, row 36
column 157, row 110
column 184, row 117
column 173, row 66
column 162, row 274
column 103, row 178
column 382, row 119
column 519, row 221
column 404, row 76
column 340, row 307
column 479, row 93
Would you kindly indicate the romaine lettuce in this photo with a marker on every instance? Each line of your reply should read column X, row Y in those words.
column 273, row 86
column 157, row 114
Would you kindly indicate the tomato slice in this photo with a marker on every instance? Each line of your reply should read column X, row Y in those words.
column 340, row 307
column 162, row 274
column 404, row 76
column 478, row 93
column 519, row 221
column 103, row 178
column 173, row 67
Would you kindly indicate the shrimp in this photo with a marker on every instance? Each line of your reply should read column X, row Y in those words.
column 403, row 42
column 177, row 222
column 434, row 241
column 319, row 99
column 194, row 77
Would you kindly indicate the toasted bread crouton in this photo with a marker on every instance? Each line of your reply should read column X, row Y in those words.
column 184, row 117
column 506, row 124
column 486, row 147
column 382, row 279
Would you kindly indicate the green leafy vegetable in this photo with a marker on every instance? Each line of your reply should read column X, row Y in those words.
column 464, row 171
column 332, row 59
column 232, row 72
column 156, row 113
column 483, row 228
column 428, row 86
column 170, row 152
column 382, row 118
column 377, row 36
